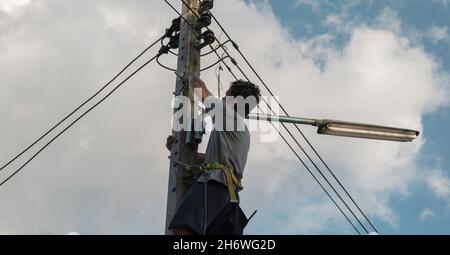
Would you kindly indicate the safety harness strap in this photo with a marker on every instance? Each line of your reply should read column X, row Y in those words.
column 231, row 179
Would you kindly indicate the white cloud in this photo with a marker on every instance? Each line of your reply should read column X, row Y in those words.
column 426, row 214
column 315, row 5
column 388, row 19
column 438, row 34
column 11, row 5
column 333, row 20
column 109, row 173
column 343, row 21
column 342, row 6
column 439, row 183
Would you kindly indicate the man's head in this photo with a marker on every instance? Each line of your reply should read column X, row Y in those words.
column 248, row 92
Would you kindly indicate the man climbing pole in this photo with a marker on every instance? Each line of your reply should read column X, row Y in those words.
column 211, row 205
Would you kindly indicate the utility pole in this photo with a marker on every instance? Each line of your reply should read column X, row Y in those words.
column 182, row 150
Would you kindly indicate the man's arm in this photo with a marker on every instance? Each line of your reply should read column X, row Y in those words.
column 199, row 86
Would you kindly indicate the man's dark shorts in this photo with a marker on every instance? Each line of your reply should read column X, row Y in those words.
column 207, row 209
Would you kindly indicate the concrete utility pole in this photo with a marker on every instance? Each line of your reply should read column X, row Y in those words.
column 188, row 60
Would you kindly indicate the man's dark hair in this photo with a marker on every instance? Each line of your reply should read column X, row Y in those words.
column 244, row 89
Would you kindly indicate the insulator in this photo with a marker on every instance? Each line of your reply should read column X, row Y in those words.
column 176, row 24
column 206, row 5
column 208, row 38
column 203, row 21
column 175, row 27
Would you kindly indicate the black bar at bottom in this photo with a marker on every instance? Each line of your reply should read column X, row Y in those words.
column 242, row 245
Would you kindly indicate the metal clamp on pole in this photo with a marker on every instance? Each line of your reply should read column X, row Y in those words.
column 205, row 6
column 207, row 37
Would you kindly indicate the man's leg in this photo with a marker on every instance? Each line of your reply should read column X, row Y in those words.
column 181, row 231
column 188, row 219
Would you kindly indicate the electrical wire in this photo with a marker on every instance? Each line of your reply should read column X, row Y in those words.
column 214, row 64
column 201, row 70
column 320, row 172
column 313, row 176
column 215, row 48
column 77, row 119
column 170, row 51
column 81, row 105
column 164, row 66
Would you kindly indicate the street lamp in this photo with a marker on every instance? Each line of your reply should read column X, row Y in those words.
column 347, row 129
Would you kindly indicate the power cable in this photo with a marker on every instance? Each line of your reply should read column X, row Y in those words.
column 164, row 66
column 214, row 64
column 215, row 48
column 81, row 105
column 77, row 119
column 313, row 176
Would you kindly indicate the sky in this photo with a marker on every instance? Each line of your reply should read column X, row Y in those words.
column 380, row 62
